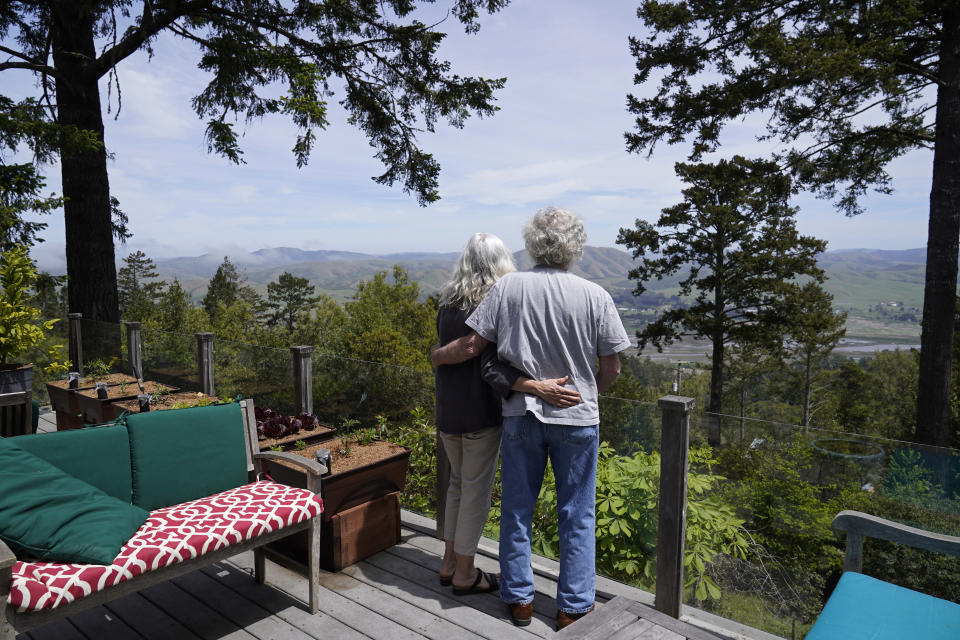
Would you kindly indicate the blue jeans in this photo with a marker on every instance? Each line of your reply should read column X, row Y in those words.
column 527, row 443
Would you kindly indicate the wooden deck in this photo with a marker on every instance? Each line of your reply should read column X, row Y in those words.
column 394, row 595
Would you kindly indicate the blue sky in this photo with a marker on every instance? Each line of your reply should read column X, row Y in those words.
column 558, row 139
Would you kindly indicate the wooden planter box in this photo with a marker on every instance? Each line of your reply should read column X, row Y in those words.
column 63, row 399
column 96, row 410
column 361, row 511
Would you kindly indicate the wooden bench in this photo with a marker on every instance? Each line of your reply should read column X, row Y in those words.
column 18, row 621
column 862, row 607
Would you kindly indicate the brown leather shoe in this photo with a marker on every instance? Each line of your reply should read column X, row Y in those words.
column 521, row 614
column 565, row 619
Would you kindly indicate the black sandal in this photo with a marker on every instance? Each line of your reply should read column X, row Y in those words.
column 493, row 584
column 446, row 581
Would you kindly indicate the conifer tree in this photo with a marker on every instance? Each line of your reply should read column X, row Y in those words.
column 138, row 287
column 814, row 331
column 843, row 88
column 735, row 236
column 287, row 298
column 263, row 58
column 227, row 286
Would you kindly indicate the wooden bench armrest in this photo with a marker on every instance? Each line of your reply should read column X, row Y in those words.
column 858, row 525
column 312, row 468
column 7, row 560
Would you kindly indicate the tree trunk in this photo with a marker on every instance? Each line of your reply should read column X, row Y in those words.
column 806, row 392
column 89, row 233
column 943, row 243
column 716, row 392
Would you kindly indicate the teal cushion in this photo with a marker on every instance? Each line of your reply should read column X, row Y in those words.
column 862, row 608
column 97, row 455
column 47, row 514
column 185, row 454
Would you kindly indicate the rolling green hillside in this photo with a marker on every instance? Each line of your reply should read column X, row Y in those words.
column 859, row 279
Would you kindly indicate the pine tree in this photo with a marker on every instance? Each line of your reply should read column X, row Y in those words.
column 263, row 57
column 736, row 237
column 137, row 286
column 843, row 88
column 814, row 331
column 287, row 298
column 227, row 286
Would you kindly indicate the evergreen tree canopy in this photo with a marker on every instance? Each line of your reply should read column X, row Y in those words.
column 846, row 87
column 814, row 330
column 227, row 286
column 375, row 58
column 287, row 298
column 736, row 237
column 138, row 287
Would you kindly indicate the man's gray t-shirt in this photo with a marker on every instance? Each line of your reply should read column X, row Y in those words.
column 550, row 323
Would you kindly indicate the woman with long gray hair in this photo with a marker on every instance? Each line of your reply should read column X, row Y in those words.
column 468, row 414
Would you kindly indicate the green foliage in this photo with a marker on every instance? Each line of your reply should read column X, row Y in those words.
column 21, row 327
column 418, row 434
column 226, row 287
column 98, row 369
column 735, row 237
column 299, row 445
column 137, row 287
column 287, row 298
column 841, row 85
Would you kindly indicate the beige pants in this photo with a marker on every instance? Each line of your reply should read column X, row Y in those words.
column 473, row 466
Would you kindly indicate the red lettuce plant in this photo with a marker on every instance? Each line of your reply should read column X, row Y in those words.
column 272, row 425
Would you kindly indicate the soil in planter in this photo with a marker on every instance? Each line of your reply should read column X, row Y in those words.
column 89, row 383
column 127, row 390
column 359, row 454
column 168, row 401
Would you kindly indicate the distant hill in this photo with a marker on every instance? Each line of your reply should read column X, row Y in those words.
column 857, row 278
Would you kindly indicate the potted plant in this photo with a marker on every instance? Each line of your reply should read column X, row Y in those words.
column 361, row 507
column 21, row 325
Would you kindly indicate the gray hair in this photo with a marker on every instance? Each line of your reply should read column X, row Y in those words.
column 484, row 261
column 555, row 237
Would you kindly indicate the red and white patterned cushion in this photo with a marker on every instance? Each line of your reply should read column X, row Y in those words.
column 171, row 535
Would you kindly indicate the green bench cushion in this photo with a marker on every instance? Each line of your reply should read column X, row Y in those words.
column 97, row 455
column 864, row 608
column 185, row 454
column 47, row 514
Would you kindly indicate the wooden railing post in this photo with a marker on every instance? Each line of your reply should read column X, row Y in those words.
column 205, row 361
column 76, row 341
column 303, row 377
column 675, row 444
column 134, row 349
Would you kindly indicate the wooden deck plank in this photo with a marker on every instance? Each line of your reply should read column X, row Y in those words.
column 343, row 598
column 684, row 629
column 656, row 632
column 244, row 613
column 418, row 586
column 148, row 620
column 545, row 589
column 59, row 630
column 193, row 614
column 98, row 623
column 632, row 631
column 595, row 624
column 282, row 604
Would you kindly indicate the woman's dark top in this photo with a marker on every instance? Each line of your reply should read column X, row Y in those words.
column 468, row 394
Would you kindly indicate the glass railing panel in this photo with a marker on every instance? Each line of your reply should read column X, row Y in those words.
column 170, row 359
column 40, row 356
column 251, row 371
column 785, row 483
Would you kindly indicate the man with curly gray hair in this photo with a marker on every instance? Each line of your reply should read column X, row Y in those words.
column 550, row 323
